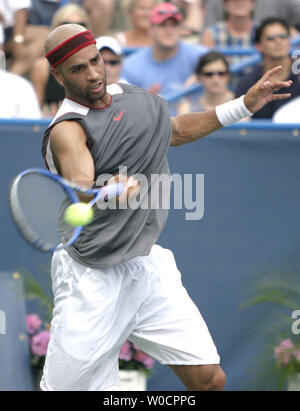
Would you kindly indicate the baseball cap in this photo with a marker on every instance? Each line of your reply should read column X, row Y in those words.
column 110, row 43
column 164, row 11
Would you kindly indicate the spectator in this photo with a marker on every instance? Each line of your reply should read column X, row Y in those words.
column 2, row 60
column 101, row 13
column 287, row 9
column 23, row 43
column 192, row 18
column 273, row 42
column 50, row 93
column 18, row 99
column 139, row 12
column 112, row 54
column 164, row 67
column 213, row 72
column 237, row 29
column 42, row 11
column 288, row 113
column 1, row 37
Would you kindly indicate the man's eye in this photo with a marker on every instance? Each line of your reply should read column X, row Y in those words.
column 96, row 59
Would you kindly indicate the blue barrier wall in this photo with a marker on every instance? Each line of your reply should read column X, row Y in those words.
column 15, row 373
column 251, row 220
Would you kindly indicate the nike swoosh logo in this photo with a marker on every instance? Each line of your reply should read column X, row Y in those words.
column 88, row 36
column 119, row 116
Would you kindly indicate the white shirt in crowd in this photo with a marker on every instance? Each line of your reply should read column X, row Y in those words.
column 288, row 113
column 1, row 35
column 17, row 98
column 8, row 9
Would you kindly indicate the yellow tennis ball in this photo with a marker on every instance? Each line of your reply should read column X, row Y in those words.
column 78, row 214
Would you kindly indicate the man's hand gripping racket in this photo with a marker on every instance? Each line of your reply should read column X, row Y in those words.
column 47, row 210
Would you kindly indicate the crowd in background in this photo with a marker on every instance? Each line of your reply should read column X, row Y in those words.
column 163, row 47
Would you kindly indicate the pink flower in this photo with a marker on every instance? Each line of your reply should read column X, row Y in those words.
column 143, row 358
column 39, row 343
column 297, row 354
column 286, row 358
column 278, row 352
column 287, row 343
column 126, row 351
column 33, row 323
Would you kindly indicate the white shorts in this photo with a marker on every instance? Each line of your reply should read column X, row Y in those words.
column 97, row 310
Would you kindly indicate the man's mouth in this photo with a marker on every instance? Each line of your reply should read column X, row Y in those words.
column 96, row 87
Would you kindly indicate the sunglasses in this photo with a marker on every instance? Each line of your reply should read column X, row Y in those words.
column 173, row 12
column 112, row 62
column 81, row 23
column 280, row 36
column 215, row 73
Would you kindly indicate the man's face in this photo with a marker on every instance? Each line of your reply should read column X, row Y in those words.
column 141, row 12
column 113, row 65
column 239, row 8
column 167, row 34
column 83, row 76
column 275, row 42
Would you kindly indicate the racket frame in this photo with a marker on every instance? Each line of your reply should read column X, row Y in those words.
column 70, row 188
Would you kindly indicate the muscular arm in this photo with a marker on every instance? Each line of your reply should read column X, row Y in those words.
column 190, row 127
column 74, row 162
column 71, row 154
column 20, row 22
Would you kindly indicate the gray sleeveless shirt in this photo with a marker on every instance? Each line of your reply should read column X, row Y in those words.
column 133, row 131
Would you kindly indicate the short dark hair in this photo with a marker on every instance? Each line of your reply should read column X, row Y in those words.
column 270, row 21
column 211, row 57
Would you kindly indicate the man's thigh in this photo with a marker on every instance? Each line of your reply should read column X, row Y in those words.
column 170, row 327
column 94, row 312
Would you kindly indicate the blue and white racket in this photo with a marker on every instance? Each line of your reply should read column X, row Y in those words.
column 38, row 201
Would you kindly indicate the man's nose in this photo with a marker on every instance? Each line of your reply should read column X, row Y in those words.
column 92, row 73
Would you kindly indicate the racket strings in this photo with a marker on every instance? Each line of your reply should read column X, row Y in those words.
column 41, row 203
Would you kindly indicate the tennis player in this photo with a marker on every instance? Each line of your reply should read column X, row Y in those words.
column 115, row 283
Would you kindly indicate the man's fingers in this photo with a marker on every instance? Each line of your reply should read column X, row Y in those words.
column 281, row 84
column 281, row 96
column 278, row 83
column 275, row 85
column 131, row 186
column 269, row 74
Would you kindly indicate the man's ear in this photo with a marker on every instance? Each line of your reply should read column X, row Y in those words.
column 57, row 75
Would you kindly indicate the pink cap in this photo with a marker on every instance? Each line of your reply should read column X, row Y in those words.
column 164, row 11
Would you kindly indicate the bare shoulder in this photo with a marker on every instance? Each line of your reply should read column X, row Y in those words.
column 67, row 135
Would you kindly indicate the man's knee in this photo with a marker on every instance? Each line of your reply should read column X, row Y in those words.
column 201, row 377
column 209, row 378
column 213, row 380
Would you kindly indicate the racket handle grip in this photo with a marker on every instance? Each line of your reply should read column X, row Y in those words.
column 111, row 191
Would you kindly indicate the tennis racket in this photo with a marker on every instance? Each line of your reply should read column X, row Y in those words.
column 38, row 201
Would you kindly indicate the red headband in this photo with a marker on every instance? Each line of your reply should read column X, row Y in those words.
column 70, row 46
